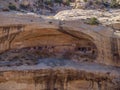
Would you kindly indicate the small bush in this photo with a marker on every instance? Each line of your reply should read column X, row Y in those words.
column 22, row 6
column 85, row 0
column 67, row 2
column 114, row 4
column 92, row 21
column 12, row 7
column 58, row 1
column 49, row 2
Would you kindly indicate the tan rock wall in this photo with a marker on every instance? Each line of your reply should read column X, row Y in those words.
column 20, row 36
column 59, row 80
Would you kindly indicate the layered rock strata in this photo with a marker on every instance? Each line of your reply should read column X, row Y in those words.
column 38, row 53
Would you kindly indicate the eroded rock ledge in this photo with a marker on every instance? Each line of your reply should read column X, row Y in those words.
column 57, row 74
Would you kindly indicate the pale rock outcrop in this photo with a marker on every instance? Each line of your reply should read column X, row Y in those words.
column 96, row 4
column 105, row 18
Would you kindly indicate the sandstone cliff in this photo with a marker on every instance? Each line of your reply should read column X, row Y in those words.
column 59, row 53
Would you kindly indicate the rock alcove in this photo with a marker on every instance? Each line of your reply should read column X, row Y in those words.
column 41, row 45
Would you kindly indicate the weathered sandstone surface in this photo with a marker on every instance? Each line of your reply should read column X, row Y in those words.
column 97, row 4
column 44, row 53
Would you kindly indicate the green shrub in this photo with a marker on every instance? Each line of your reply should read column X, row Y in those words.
column 58, row 1
column 12, row 7
column 67, row 2
column 49, row 2
column 85, row 0
column 97, row 2
column 92, row 21
column 22, row 6
column 114, row 4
